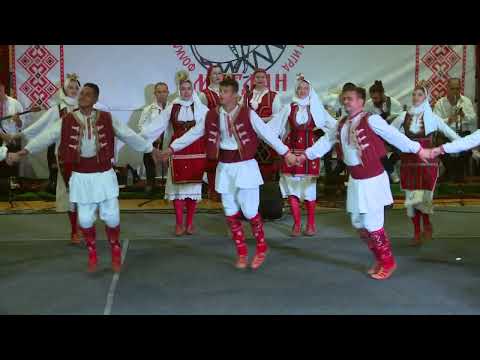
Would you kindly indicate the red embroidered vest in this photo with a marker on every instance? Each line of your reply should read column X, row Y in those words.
column 300, row 138
column 188, row 165
column 245, row 136
column 212, row 98
column 70, row 142
column 371, row 155
column 265, row 107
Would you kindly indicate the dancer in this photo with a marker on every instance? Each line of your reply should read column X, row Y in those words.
column 185, row 173
column 295, row 124
column 210, row 98
column 418, row 179
column 265, row 103
column 232, row 137
column 67, row 101
column 86, row 151
column 360, row 145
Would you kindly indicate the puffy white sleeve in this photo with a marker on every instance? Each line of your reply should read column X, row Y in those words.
column 203, row 98
column 143, row 117
column 438, row 109
column 322, row 145
column 278, row 123
column 157, row 125
column 3, row 152
column 276, row 105
column 392, row 135
column 130, row 137
column 266, row 134
column 44, row 122
column 463, row 144
column 190, row 136
column 326, row 122
column 446, row 130
column 399, row 120
column 46, row 138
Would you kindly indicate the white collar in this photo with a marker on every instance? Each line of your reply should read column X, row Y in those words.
column 224, row 112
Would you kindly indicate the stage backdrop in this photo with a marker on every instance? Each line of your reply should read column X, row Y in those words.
column 126, row 73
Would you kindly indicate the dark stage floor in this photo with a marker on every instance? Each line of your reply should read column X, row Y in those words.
column 40, row 273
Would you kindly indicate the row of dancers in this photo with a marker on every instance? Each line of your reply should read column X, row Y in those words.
column 223, row 137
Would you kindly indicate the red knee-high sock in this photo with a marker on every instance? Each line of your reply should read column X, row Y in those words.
column 382, row 245
column 238, row 235
column 426, row 219
column 295, row 208
column 113, row 236
column 73, row 217
column 258, row 233
column 191, row 206
column 90, row 236
column 416, row 222
column 179, row 205
column 310, row 205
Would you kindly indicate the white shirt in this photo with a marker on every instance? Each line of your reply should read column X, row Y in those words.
column 228, row 142
column 418, row 125
column 160, row 123
column 351, row 156
column 444, row 109
column 463, row 144
column 279, row 122
column 11, row 107
column 395, row 108
column 88, row 145
column 203, row 97
column 257, row 99
column 149, row 113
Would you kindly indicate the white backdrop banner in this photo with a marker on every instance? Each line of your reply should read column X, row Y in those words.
column 126, row 73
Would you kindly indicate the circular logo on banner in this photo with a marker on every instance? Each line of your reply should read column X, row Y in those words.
column 238, row 59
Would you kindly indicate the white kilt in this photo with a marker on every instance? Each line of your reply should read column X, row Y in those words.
column 182, row 191
column 421, row 200
column 303, row 187
column 240, row 175
column 368, row 195
column 93, row 187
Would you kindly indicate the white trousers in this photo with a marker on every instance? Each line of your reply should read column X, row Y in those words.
column 109, row 212
column 372, row 221
column 246, row 200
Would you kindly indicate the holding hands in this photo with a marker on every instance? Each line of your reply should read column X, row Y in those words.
column 295, row 160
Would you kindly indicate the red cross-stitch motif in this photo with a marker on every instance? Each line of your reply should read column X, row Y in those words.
column 38, row 61
column 440, row 59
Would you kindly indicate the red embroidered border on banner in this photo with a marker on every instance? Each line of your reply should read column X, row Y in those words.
column 440, row 60
column 62, row 66
column 13, row 71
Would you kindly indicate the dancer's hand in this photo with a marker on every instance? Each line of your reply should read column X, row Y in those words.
column 436, row 152
column 290, row 159
column 301, row 159
column 163, row 156
column 425, row 155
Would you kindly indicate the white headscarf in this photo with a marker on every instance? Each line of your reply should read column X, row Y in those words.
column 317, row 109
column 62, row 93
column 424, row 109
column 185, row 110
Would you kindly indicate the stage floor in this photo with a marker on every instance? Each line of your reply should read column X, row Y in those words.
column 40, row 273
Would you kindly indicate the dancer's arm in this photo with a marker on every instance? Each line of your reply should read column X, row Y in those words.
column 130, row 137
column 392, row 135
